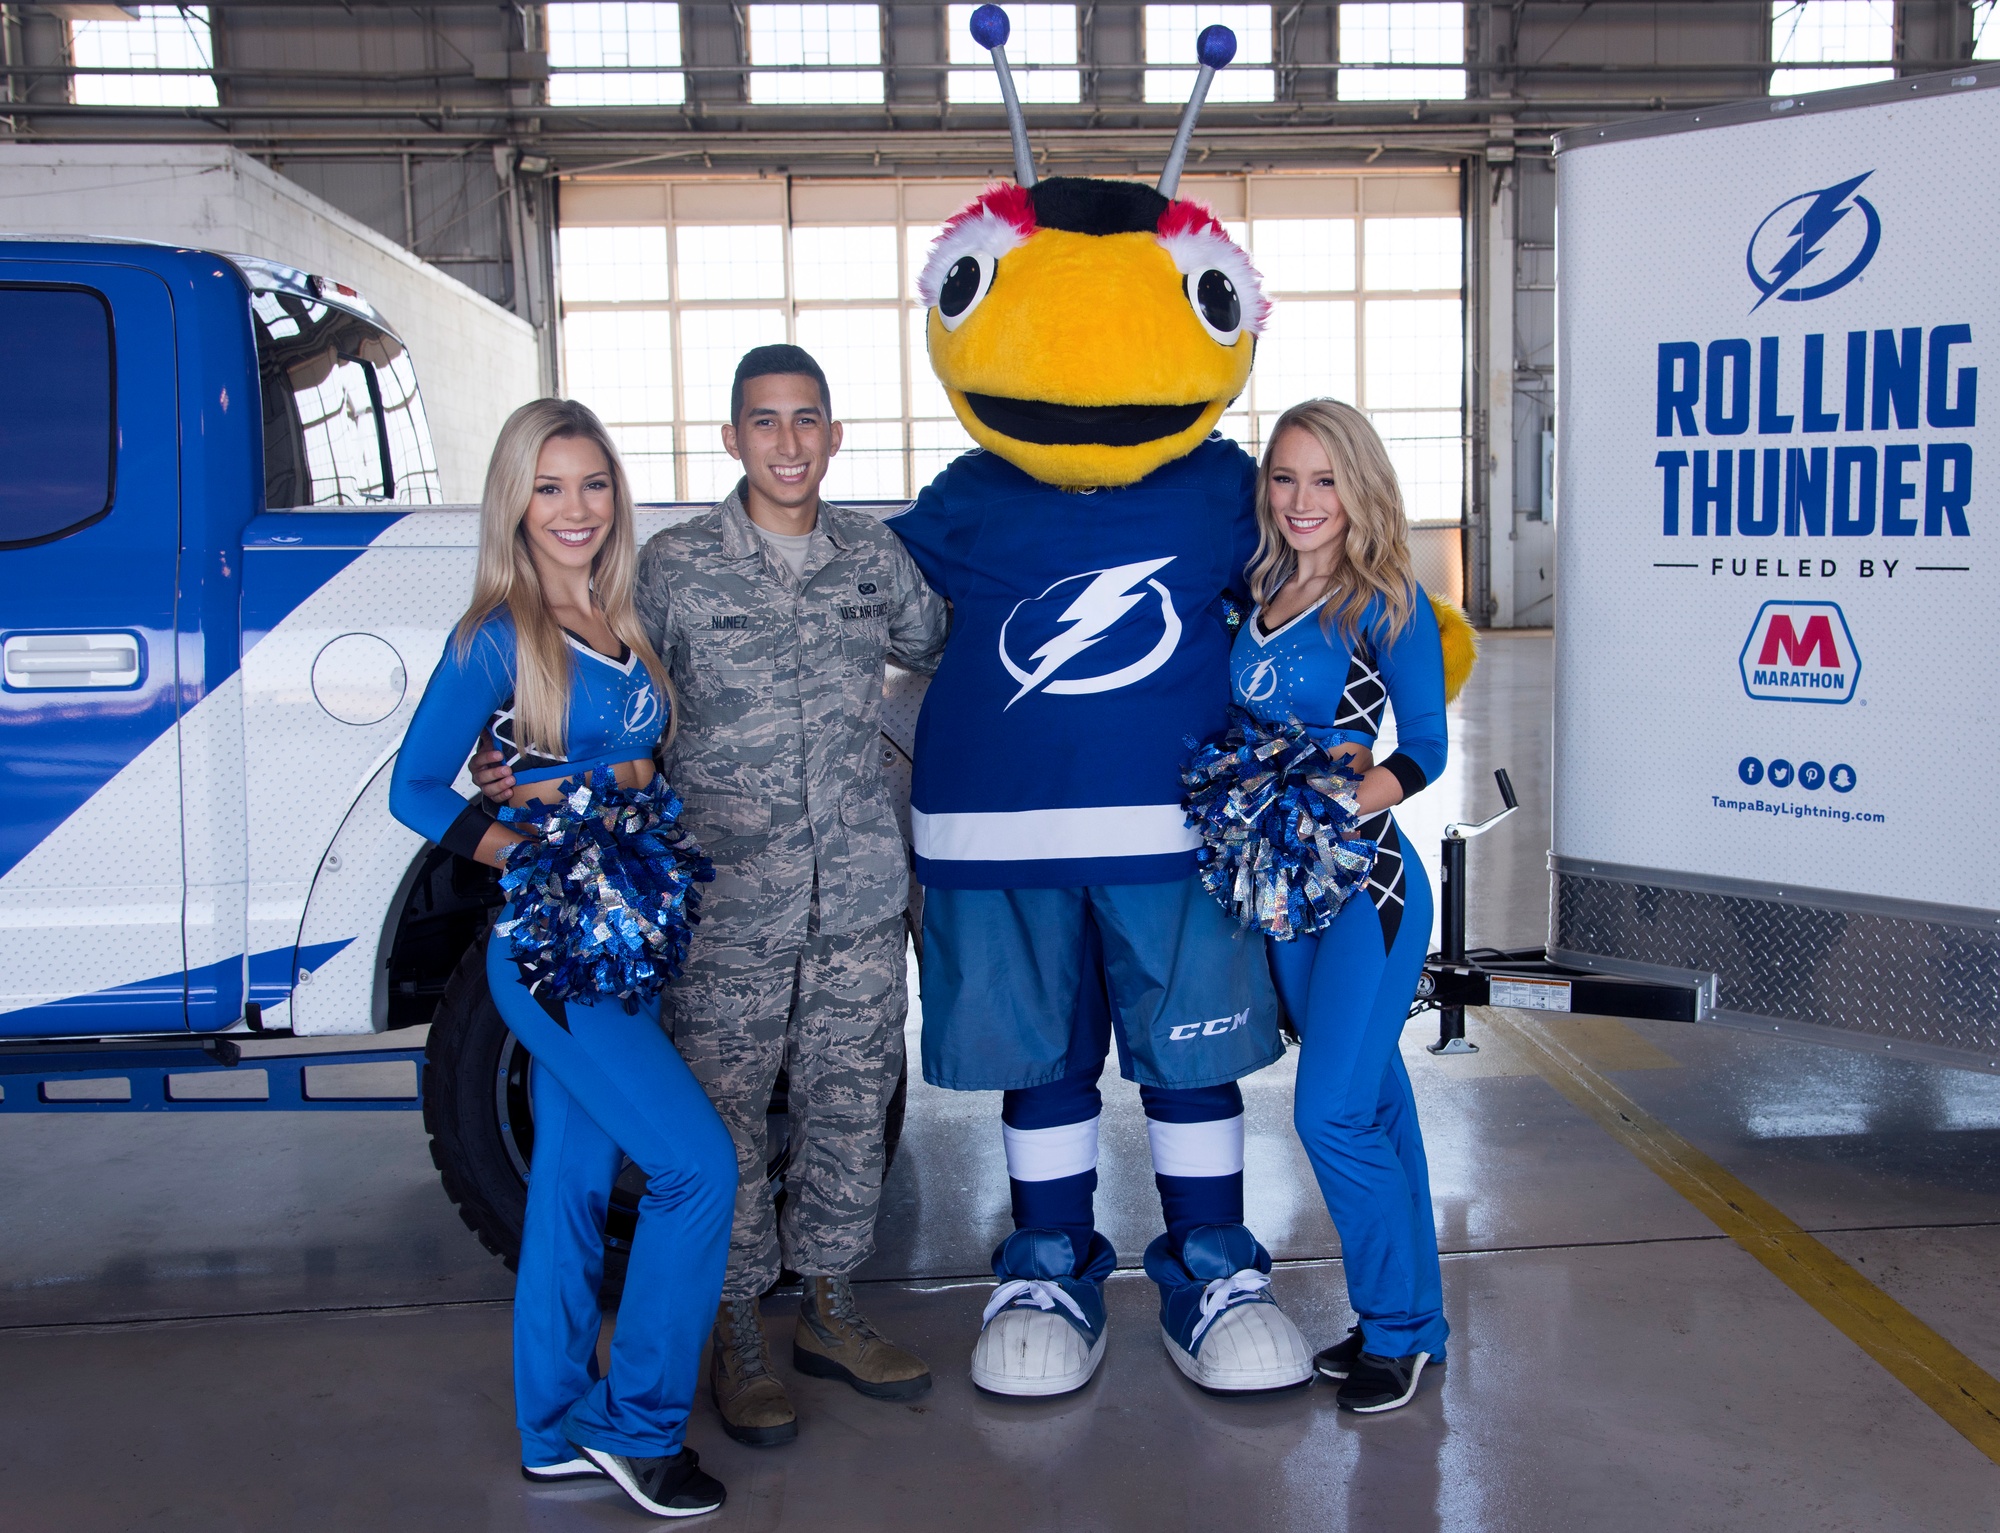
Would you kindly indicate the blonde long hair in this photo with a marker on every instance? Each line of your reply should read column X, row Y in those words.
column 507, row 578
column 1375, row 559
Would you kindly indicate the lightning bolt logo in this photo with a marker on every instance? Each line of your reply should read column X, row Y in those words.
column 1824, row 211
column 1096, row 611
column 1262, row 682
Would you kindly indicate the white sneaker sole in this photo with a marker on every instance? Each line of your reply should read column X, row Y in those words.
column 1416, row 1378
column 1032, row 1353
column 556, row 1474
column 620, row 1475
column 1249, row 1350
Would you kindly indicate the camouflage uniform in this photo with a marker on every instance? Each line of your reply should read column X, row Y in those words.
column 799, row 957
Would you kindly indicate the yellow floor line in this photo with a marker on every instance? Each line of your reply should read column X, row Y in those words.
column 1931, row 1368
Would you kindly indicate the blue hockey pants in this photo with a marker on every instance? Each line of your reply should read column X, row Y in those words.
column 611, row 1082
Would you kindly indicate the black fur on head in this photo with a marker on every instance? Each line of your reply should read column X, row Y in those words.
column 1087, row 206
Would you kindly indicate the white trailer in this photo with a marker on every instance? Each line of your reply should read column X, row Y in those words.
column 479, row 361
column 1775, row 725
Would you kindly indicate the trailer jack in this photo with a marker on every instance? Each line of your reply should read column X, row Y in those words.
column 1527, row 978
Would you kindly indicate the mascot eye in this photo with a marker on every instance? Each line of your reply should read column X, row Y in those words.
column 1216, row 305
column 964, row 285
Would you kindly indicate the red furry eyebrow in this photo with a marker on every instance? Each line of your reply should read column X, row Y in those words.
column 1189, row 218
column 1005, row 201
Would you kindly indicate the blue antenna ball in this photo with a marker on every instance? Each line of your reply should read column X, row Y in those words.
column 990, row 28
column 1215, row 47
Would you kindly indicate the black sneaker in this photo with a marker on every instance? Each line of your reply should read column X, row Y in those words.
column 578, row 1468
column 1381, row 1383
column 1337, row 1361
column 665, row 1487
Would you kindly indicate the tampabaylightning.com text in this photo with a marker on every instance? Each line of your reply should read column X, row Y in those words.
column 1797, row 811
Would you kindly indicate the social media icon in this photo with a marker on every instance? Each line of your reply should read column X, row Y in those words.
column 1811, row 775
column 1781, row 773
column 1842, row 778
column 1751, row 770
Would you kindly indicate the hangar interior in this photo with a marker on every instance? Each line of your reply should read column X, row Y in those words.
column 277, row 1321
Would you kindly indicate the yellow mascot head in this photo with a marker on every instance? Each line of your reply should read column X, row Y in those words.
column 1089, row 331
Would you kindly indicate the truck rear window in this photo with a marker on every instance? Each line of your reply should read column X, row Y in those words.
column 56, row 412
column 344, row 424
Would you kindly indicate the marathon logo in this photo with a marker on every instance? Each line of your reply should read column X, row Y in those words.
column 1800, row 652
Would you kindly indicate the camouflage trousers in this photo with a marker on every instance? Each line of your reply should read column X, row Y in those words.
column 831, row 1013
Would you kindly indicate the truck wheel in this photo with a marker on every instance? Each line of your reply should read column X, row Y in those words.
column 476, row 1109
column 482, row 1128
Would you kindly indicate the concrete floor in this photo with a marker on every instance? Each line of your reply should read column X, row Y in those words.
column 277, row 1322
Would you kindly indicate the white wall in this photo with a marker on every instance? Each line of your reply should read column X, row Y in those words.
column 475, row 361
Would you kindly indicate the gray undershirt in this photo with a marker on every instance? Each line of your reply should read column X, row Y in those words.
column 790, row 548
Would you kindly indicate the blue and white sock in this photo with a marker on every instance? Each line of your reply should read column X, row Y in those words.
column 1051, row 1137
column 1197, row 1143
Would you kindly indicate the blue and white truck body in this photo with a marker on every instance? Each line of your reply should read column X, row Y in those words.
column 199, row 695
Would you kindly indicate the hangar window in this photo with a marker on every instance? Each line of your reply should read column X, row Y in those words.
column 1405, row 33
column 807, row 43
column 1836, row 35
column 172, row 43
column 1365, row 270
column 1985, row 30
column 614, row 55
column 1171, row 31
column 1042, row 35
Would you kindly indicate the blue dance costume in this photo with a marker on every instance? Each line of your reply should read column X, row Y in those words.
column 604, row 1081
column 1349, row 988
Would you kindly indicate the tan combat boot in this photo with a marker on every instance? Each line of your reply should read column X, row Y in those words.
column 752, row 1402
column 832, row 1341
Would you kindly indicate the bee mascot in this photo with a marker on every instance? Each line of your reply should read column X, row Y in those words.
column 1089, row 334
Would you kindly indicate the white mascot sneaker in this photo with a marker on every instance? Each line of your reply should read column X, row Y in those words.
column 1043, row 1330
column 1220, row 1324
column 1247, row 1345
column 1032, row 1345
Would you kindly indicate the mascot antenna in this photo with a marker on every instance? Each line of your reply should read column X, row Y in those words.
column 1214, row 48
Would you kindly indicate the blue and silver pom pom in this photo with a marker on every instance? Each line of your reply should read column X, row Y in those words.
column 1277, row 815
column 603, row 890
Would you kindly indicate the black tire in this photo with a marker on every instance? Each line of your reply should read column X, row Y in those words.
column 476, row 1109
column 482, row 1128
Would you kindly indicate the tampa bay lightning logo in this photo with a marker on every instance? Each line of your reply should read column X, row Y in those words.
column 1260, row 682
column 1813, row 244
column 1088, row 618
column 642, row 709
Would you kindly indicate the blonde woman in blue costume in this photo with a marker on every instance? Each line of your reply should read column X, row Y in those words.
column 1341, row 629
column 551, row 661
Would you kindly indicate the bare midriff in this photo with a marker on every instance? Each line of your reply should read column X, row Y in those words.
column 630, row 774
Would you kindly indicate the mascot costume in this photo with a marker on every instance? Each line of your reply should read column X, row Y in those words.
column 1090, row 334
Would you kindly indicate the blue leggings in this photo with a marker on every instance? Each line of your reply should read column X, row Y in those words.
column 612, row 1082
column 1349, row 991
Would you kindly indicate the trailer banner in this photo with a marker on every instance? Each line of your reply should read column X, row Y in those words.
column 1779, row 608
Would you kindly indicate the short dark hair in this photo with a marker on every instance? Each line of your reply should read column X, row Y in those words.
column 764, row 361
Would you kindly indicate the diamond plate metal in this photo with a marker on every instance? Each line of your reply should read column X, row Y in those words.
column 1935, row 983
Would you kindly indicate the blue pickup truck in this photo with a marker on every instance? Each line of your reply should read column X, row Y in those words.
column 225, row 575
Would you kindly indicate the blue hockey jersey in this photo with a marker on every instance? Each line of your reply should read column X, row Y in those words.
column 1087, row 648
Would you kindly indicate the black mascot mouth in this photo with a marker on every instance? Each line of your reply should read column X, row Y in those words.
column 1051, row 425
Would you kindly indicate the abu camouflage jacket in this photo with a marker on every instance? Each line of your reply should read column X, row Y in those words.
column 778, row 753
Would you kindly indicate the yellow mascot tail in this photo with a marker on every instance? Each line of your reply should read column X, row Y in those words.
column 1461, row 646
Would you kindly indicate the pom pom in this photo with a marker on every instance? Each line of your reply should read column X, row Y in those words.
column 602, row 889
column 1277, row 815
column 1215, row 47
column 990, row 27
column 1461, row 646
